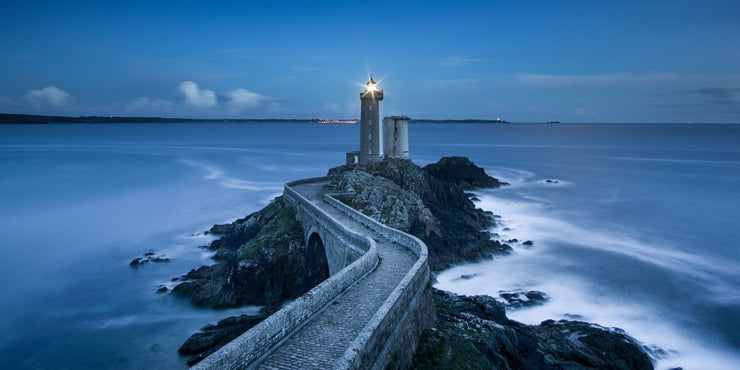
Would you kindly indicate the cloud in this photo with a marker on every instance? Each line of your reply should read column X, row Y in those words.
column 48, row 96
column 331, row 107
column 7, row 102
column 454, row 61
column 145, row 104
column 453, row 82
column 241, row 99
column 197, row 97
column 598, row 79
column 724, row 95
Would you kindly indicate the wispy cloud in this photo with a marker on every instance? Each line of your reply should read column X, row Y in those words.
column 196, row 96
column 49, row 96
column 8, row 102
column 723, row 95
column 455, row 61
column 146, row 105
column 242, row 99
column 593, row 79
column 453, row 82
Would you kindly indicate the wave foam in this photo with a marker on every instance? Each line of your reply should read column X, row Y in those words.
column 572, row 296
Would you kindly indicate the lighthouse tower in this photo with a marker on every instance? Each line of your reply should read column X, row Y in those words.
column 370, row 123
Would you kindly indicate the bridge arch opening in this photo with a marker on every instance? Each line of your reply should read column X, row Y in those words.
column 317, row 265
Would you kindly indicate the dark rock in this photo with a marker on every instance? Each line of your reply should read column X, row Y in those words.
column 551, row 181
column 468, row 276
column 175, row 279
column 463, row 172
column 222, row 229
column 213, row 337
column 457, row 234
column 519, row 298
column 148, row 256
column 528, row 243
column 260, row 262
column 162, row 289
column 512, row 241
column 474, row 333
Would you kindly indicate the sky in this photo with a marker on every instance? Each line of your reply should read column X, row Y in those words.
column 522, row 61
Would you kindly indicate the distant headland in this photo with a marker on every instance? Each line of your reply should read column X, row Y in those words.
column 8, row 118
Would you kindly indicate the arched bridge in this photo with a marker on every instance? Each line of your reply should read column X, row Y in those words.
column 368, row 313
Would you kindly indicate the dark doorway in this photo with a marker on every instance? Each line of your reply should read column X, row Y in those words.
column 317, row 266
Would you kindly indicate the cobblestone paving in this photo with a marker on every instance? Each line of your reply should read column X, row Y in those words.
column 323, row 341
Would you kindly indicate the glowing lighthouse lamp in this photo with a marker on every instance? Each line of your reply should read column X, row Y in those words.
column 396, row 130
column 370, row 123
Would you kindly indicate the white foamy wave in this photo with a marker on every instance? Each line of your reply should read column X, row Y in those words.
column 535, row 220
column 511, row 175
column 573, row 299
column 216, row 173
column 579, row 298
column 151, row 318
column 250, row 185
column 521, row 178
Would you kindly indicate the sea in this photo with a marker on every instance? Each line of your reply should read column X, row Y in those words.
column 633, row 226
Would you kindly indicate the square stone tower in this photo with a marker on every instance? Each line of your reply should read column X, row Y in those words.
column 370, row 123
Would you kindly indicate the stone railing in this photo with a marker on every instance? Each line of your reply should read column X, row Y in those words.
column 261, row 339
column 374, row 346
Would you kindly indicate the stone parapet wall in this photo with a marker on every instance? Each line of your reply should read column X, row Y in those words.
column 394, row 331
column 259, row 341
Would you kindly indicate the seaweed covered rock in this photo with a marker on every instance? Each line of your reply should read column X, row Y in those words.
column 260, row 260
column 474, row 333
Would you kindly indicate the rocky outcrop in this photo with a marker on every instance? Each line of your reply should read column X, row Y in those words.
column 456, row 231
column 212, row 337
column 149, row 256
column 514, row 299
column 260, row 260
column 474, row 333
column 463, row 172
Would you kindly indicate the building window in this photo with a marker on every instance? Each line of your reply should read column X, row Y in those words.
column 370, row 137
column 369, row 108
column 370, row 122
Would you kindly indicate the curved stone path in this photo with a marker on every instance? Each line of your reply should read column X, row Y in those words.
column 324, row 339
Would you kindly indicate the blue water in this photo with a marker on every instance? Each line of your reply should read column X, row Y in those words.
column 640, row 231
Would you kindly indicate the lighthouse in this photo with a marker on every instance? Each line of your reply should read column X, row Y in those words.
column 370, row 123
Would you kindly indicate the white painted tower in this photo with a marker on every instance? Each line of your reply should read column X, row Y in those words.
column 370, row 123
column 396, row 137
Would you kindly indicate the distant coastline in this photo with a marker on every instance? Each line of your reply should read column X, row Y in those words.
column 6, row 118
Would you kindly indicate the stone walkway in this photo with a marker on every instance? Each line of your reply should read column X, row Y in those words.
column 322, row 341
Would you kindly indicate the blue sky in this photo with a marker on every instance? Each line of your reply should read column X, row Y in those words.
column 524, row 61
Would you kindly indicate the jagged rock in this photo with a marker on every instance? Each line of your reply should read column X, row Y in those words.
column 260, row 261
column 458, row 234
column 385, row 201
column 213, row 337
column 463, row 172
column 528, row 243
column 474, row 333
column 519, row 298
column 162, row 289
column 148, row 256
